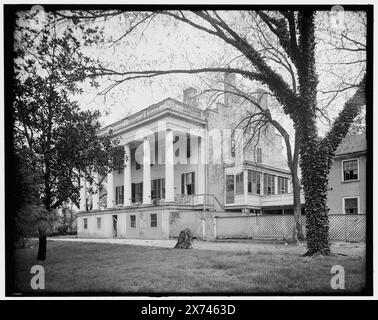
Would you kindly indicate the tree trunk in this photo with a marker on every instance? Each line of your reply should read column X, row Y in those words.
column 42, row 244
column 298, row 234
column 315, row 171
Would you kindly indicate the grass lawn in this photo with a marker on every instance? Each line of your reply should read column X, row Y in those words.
column 94, row 267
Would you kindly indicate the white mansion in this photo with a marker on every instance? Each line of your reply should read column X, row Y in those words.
column 185, row 163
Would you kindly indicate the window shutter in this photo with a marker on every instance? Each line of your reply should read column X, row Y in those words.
column 183, row 183
column 193, row 184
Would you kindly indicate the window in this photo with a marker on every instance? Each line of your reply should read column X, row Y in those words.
column 351, row 205
column 158, row 189
column 253, row 182
column 99, row 221
column 350, row 170
column 119, row 195
column 239, row 183
column 283, row 185
column 156, row 161
column 187, row 145
column 269, row 184
column 153, row 220
column 85, row 220
column 137, row 192
column 187, row 183
column 258, row 155
column 132, row 221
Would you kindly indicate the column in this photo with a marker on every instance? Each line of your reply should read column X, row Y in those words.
column 146, row 172
column 127, row 177
column 245, row 186
column 200, row 158
column 276, row 185
column 96, row 195
column 83, row 195
column 261, row 184
column 110, row 189
column 169, row 170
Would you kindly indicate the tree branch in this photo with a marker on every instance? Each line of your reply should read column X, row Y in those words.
column 345, row 118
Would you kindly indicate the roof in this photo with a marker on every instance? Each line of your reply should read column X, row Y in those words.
column 164, row 105
column 352, row 144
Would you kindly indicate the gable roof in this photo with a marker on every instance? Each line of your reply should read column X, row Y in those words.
column 352, row 144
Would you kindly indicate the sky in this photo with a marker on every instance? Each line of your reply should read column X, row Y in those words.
column 165, row 43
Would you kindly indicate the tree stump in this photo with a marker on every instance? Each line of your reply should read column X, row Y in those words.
column 184, row 240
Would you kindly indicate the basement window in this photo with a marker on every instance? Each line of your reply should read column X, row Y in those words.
column 132, row 221
column 153, row 220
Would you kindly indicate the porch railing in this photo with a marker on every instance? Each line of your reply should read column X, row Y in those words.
column 208, row 201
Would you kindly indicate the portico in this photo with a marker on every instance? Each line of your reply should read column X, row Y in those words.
column 161, row 143
column 142, row 158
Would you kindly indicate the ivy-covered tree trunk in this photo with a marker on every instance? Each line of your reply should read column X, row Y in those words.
column 315, row 171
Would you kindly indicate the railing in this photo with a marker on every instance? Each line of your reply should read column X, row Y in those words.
column 208, row 201
column 195, row 200
column 264, row 200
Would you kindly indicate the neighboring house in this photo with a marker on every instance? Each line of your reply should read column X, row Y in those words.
column 184, row 160
column 347, row 177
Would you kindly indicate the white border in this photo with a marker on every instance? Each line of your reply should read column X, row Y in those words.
column 246, row 2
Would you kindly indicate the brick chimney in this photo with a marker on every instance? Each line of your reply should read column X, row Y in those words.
column 190, row 97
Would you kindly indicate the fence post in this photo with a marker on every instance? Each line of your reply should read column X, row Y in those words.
column 215, row 226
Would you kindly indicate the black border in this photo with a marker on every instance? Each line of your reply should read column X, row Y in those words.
column 9, row 21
